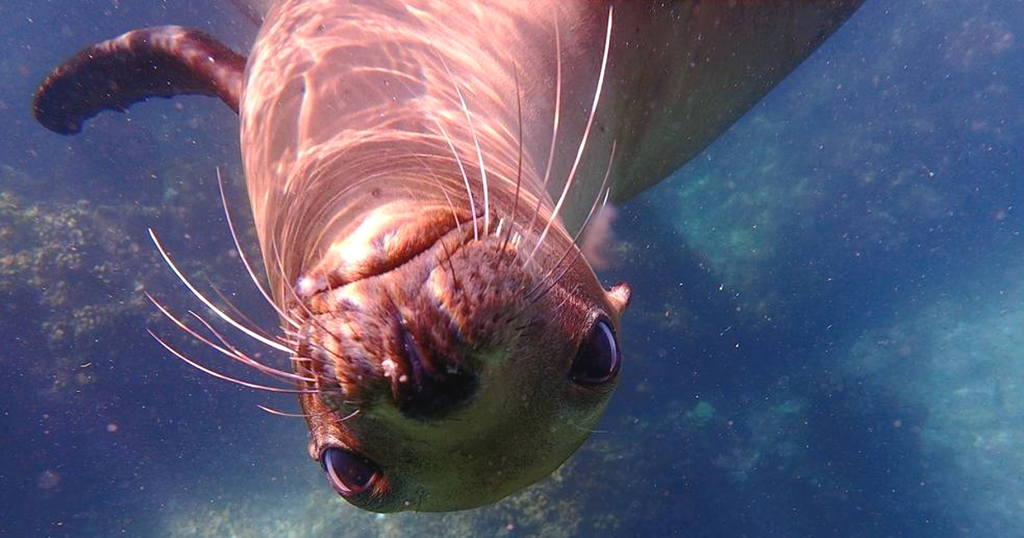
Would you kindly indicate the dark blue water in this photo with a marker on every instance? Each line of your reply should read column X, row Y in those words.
column 825, row 340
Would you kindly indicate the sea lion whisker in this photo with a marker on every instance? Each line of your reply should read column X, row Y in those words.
column 586, row 135
column 586, row 222
column 244, row 258
column 465, row 178
column 238, row 355
column 209, row 304
column 451, row 266
column 444, row 191
column 554, row 125
column 309, row 313
column 294, row 343
column 566, row 270
column 523, row 327
column 233, row 353
column 519, row 163
column 241, row 315
column 476, row 142
column 290, row 338
column 581, row 428
column 273, row 411
column 224, row 377
column 558, row 103
column 330, row 202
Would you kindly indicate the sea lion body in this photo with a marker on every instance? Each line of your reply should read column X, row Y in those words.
column 419, row 174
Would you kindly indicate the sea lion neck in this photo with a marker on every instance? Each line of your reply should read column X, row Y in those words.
column 357, row 92
column 390, row 200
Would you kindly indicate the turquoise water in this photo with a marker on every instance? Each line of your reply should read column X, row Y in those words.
column 825, row 337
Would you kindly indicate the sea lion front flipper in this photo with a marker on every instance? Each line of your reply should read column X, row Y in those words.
column 693, row 67
column 161, row 61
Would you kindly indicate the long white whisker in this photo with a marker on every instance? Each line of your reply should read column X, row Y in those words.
column 599, row 202
column 329, row 225
column 465, row 178
column 220, row 313
column 519, row 166
column 476, row 143
column 309, row 313
column 583, row 142
column 245, row 359
column 241, row 317
column 555, row 280
column 245, row 260
column 558, row 102
column 233, row 353
column 273, row 411
column 444, row 191
column 221, row 376
column 554, row 126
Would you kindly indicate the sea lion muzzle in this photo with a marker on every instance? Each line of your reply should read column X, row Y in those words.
column 436, row 352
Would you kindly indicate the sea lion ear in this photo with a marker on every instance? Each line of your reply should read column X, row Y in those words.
column 618, row 296
column 162, row 61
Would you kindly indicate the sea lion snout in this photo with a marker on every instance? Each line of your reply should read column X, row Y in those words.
column 441, row 382
column 418, row 331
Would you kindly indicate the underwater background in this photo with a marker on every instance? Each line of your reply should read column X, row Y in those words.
column 826, row 336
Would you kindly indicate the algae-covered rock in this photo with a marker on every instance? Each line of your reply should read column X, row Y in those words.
column 960, row 359
column 72, row 274
column 570, row 503
column 701, row 414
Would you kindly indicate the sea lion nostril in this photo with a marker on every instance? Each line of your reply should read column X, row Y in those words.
column 434, row 385
column 413, row 358
column 348, row 473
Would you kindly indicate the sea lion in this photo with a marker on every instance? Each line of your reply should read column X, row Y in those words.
column 420, row 172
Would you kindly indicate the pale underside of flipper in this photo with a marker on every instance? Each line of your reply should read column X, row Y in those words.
column 692, row 68
column 161, row 61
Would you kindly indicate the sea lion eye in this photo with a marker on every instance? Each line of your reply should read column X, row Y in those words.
column 348, row 473
column 598, row 358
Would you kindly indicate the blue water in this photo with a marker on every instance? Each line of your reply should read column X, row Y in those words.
column 825, row 340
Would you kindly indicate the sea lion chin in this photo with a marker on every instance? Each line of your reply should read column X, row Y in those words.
column 442, row 382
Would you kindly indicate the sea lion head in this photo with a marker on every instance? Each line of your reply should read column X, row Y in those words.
column 452, row 364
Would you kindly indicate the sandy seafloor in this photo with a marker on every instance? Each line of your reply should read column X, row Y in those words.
column 826, row 337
